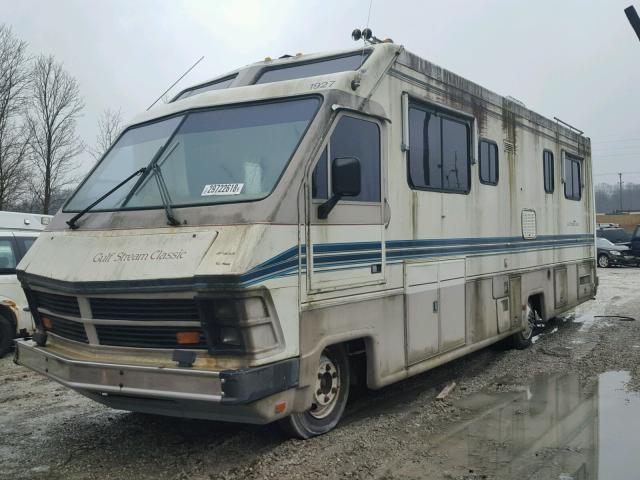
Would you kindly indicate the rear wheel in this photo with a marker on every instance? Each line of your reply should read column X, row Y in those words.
column 7, row 334
column 603, row 260
column 522, row 339
column 331, row 391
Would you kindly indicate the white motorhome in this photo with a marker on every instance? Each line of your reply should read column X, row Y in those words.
column 241, row 250
column 18, row 231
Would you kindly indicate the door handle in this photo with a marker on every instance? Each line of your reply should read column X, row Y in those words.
column 435, row 306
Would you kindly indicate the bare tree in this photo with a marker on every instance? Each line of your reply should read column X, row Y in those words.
column 55, row 107
column 14, row 76
column 109, row 127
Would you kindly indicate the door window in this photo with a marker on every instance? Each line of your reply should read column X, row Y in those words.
column 352, row 137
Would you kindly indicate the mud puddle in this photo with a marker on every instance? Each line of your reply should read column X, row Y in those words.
column 554, row 428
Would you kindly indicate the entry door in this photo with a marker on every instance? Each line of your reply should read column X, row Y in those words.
column 347, row 249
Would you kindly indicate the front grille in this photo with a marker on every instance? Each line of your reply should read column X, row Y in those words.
column 145, row 336
column 61, row 304
column 185, row 310
column 68, row 329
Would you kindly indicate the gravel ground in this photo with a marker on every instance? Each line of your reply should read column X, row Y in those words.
column 47, row 431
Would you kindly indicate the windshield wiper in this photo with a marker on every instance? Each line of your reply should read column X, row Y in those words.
column 164, row 193
column 72, row 222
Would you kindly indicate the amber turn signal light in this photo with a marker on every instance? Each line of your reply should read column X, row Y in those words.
column 281, row 407
column 47, row 323
column 188, row 338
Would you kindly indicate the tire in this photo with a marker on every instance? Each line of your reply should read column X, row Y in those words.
column 603, row 261
column 522, row 339
column 330, row 397
column 7, row 334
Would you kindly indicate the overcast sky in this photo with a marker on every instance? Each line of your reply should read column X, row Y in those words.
column 578, row 60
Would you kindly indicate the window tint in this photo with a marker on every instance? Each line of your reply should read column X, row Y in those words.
column 7, row 255
column 547, row 164
column 311, row 69
column 438, row 152
column 572, row 177
column 357, row 138
column 488, row 159
column 215, row 85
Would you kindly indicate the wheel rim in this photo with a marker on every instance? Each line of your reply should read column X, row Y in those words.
column 603, row 261
column 327, row 388
column 531, row 322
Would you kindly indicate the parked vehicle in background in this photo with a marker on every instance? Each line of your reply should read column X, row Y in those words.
column 614, row 233
column 635, row 241
column 610, row 254
column 18, row 231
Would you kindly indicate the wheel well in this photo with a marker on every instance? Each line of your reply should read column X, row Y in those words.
column 537, row 303
column 9, row 315
column 357, row 353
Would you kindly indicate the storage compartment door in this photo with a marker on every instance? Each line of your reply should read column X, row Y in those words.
column 451, row 286
column 560, row 286
column 422, row 321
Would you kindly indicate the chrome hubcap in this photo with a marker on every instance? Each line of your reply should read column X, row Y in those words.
column 327, row 388
column 531, row 322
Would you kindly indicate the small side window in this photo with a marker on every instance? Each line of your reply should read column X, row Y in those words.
column 572, row 177
column 548, row 170
column 488, row 159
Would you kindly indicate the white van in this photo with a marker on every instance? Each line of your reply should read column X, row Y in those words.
column 18, row 231
column 241, row 251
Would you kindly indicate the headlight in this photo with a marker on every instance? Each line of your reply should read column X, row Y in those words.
column 238, row 324
column 614, row 252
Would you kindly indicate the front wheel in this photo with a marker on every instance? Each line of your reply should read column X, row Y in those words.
column 603, row 261
column 7, row 334
column 331, row 391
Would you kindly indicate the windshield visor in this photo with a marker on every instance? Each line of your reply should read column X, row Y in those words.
column 225, row 155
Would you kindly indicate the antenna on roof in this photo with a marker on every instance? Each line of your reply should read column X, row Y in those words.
column 176, row 82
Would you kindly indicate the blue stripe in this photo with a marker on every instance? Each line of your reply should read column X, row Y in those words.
column 328, row 256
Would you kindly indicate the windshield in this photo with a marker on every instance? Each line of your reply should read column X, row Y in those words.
column 224, row 155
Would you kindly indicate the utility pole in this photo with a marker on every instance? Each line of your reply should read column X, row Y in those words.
column 620, row 176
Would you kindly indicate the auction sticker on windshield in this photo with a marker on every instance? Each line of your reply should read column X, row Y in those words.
column 222, row 189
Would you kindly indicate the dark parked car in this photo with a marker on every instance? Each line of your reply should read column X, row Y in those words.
column 614, row 234
column 610, row 254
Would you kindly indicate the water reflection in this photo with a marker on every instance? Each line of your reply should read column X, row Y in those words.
column 552, row 429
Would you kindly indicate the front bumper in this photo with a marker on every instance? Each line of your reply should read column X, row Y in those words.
column 623, row 259
column 234, row 395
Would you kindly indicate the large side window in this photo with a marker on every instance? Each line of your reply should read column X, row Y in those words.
column 438, row 151
column 352, row 137
column 547, row 166
column 488, row 159
column 572, row 177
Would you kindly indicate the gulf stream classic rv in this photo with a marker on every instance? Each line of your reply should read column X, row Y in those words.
column 250, row 249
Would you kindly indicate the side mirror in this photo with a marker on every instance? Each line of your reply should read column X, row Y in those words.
column 345, row 182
